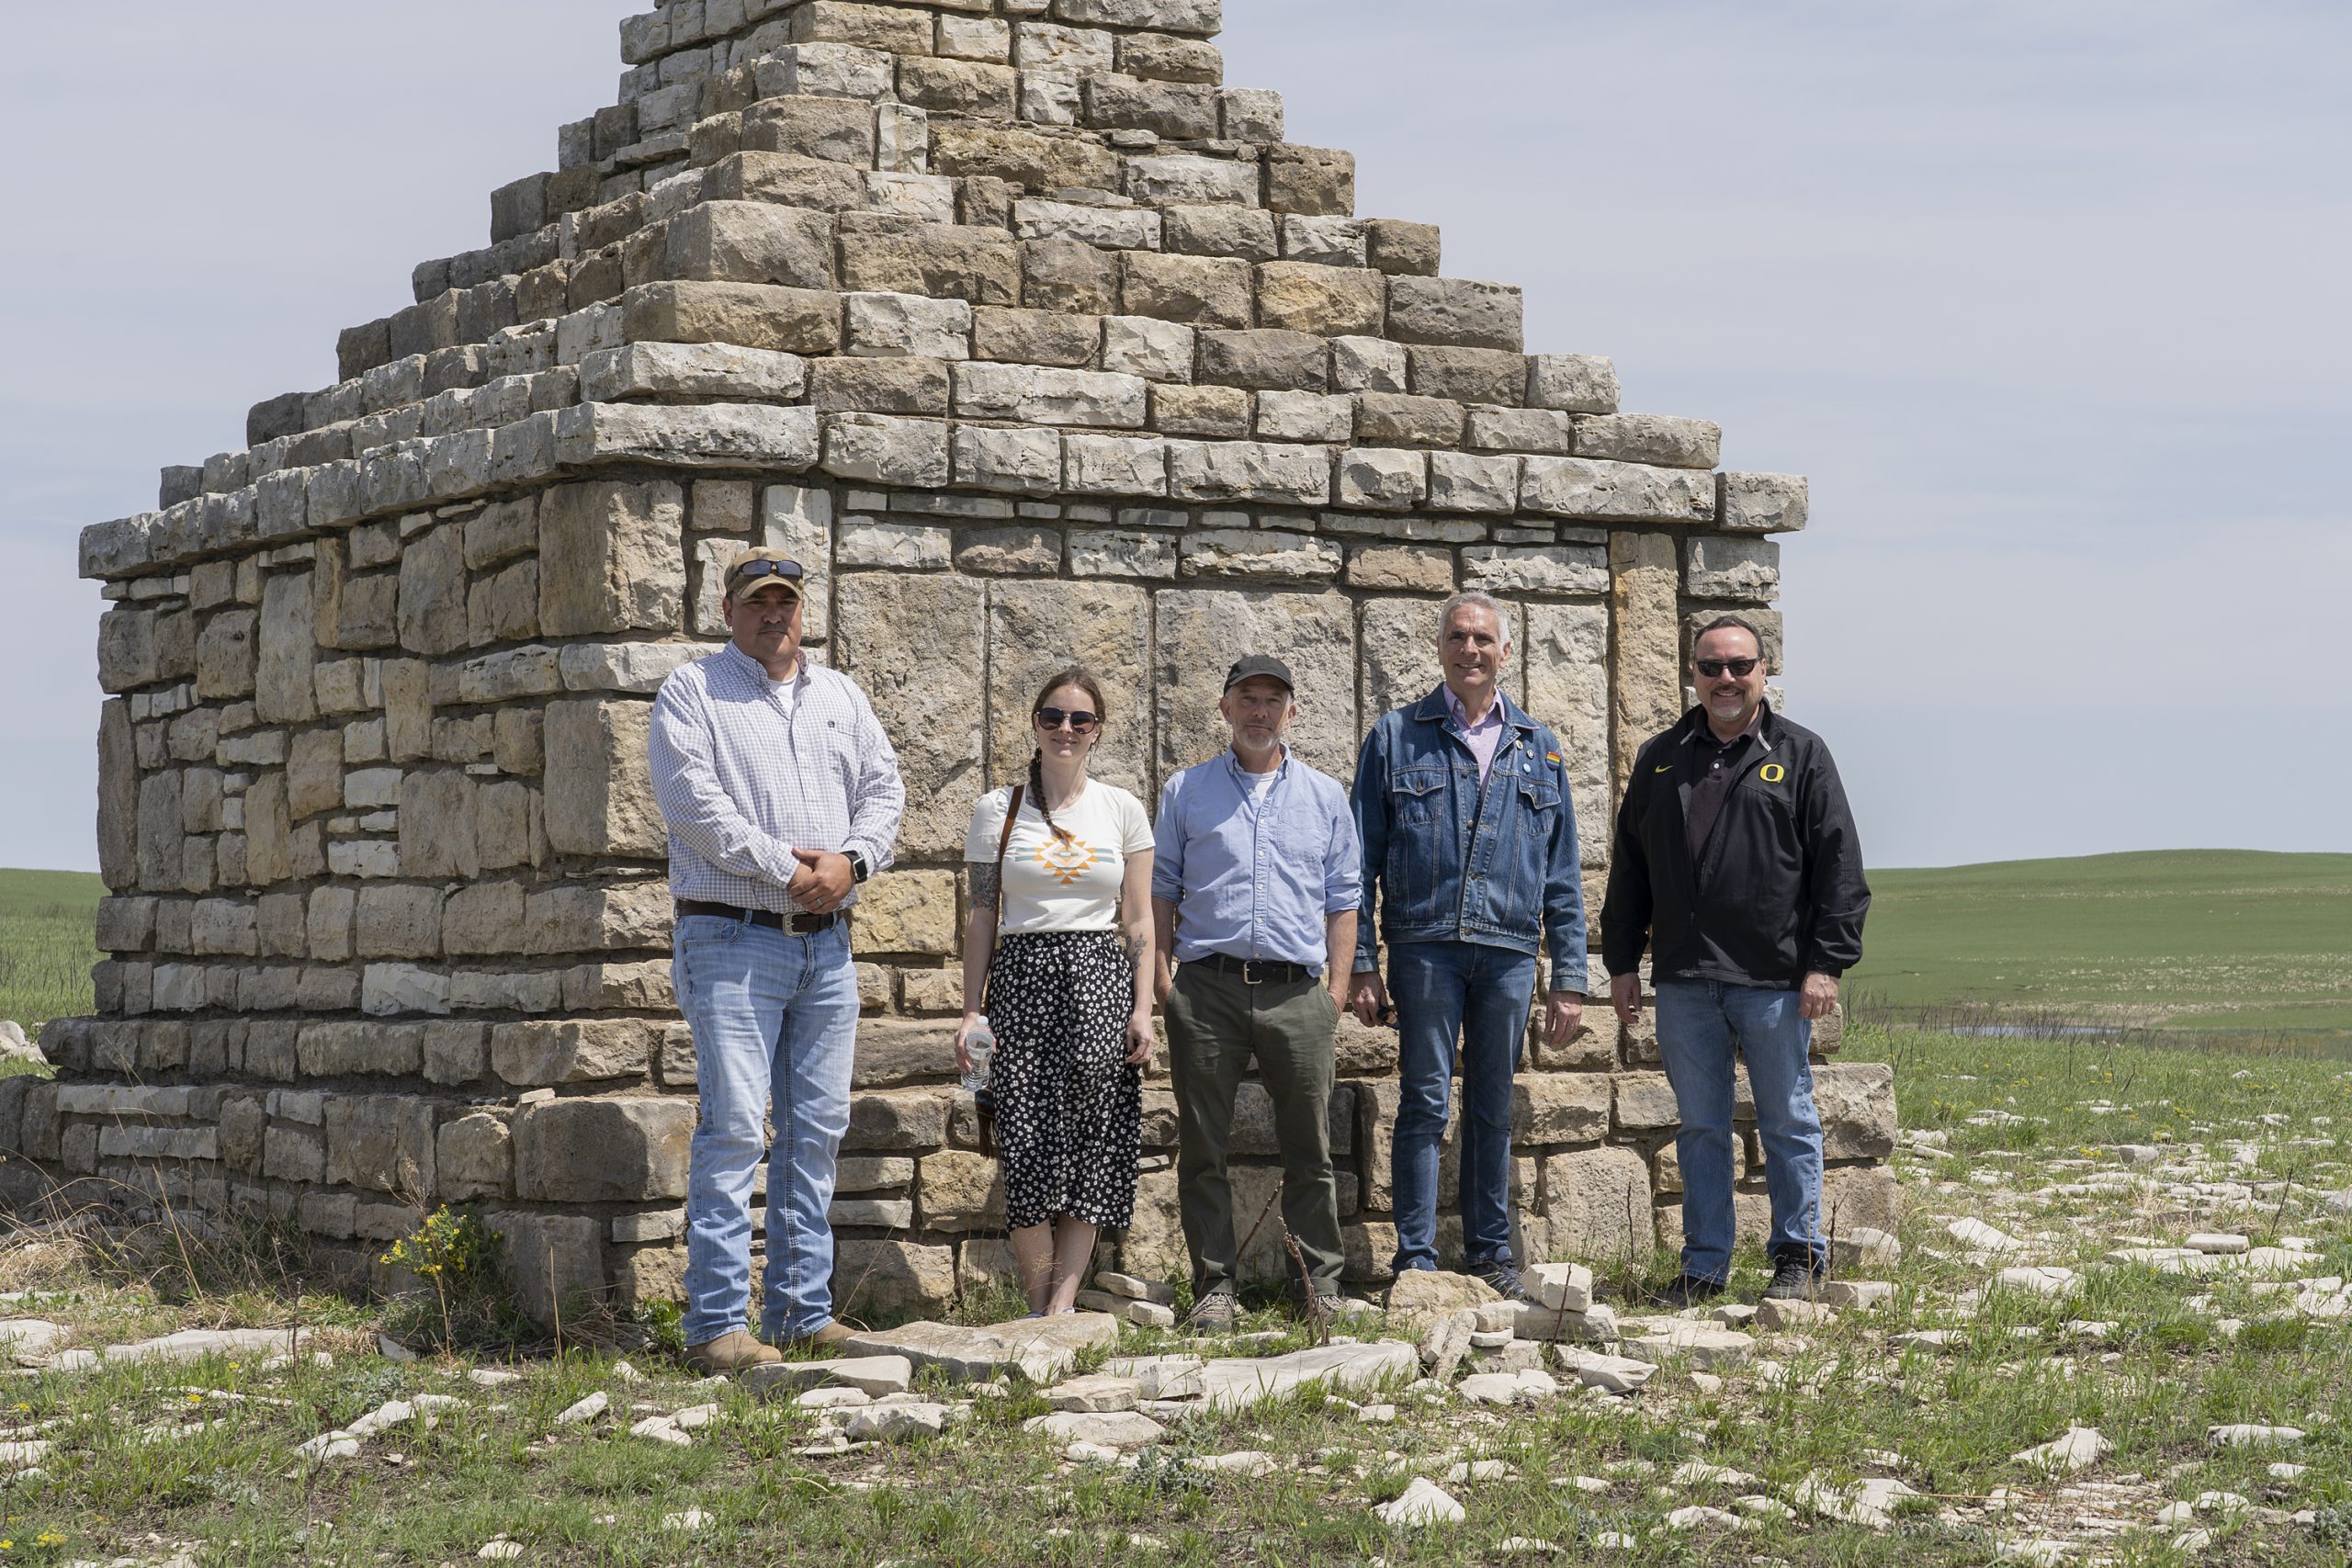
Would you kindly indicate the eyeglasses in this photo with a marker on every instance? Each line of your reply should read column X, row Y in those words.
column 753, row 570
column 1740, row 668
column 1079, row 721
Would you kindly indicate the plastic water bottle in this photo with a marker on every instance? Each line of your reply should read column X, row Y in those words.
column 980, row 1044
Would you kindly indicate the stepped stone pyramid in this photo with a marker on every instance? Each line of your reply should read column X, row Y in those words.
column 1034, row 342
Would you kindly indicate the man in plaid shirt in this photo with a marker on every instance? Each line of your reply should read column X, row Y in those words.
column 782, row 794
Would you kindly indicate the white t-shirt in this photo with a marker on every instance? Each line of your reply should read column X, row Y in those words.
column 1062, row 884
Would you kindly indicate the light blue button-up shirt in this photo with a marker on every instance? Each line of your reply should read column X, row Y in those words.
column 1255, row 876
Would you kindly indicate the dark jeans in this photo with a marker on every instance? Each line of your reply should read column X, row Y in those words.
column 1449, row 993
column 1216, row 1024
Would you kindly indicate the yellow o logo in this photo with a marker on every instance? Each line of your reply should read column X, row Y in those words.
column 1772, row 772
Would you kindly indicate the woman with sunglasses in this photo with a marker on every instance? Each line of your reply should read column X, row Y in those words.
column 1062, row 973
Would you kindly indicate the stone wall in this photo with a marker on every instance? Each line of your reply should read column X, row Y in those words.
column 1035, row 343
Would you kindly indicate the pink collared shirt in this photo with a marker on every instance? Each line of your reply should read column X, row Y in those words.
column 1484, row 737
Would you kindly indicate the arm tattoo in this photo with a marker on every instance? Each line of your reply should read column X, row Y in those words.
column 986, row 878
column 1134, row 947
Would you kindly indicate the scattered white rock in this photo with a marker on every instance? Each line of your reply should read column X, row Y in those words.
column 1249, row 1462
column 2076, row 1449
column 896, row 1423
column 2041, row 1280
column 2220, row 1244
column 1423, row 1503
column 1096, row 1392
column 2242, row 1434
column 1698, row 1518
column 689, row 1520
column 1974, row 1233
column 498, row 1547
column 587, row 1409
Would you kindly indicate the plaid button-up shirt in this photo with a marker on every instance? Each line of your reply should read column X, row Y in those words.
column 745, row 779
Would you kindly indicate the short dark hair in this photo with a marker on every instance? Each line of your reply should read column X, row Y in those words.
column 1728, row 622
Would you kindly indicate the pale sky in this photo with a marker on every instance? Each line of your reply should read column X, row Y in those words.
column 2047, row 300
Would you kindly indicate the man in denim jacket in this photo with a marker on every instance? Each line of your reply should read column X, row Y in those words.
column 1470, row 862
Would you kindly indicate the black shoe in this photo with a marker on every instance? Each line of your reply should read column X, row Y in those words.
column 1689, row 1290
column 1500, row 1274
column 1794, row 1280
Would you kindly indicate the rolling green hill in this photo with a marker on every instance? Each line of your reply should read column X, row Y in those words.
column 46, row 945
column 2202, row 940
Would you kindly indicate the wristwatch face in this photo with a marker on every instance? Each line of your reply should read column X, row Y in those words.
column 857, row 867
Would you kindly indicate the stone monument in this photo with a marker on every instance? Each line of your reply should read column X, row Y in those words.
column 1035, row 343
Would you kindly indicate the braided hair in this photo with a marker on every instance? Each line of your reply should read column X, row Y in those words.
column 1077, row 675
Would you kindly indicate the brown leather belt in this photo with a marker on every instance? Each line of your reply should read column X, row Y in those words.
column 798, row 925
column 1255, row 970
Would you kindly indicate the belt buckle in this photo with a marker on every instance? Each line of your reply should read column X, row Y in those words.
column 1249, row 976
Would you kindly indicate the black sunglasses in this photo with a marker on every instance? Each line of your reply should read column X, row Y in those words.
column 1079, row 722
column 753, row 570
column 1740, row 668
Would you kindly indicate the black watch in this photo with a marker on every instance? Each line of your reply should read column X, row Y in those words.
column 858, row 870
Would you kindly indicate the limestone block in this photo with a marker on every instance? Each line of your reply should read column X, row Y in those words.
column 1198, row 632
column 895, row 325
column 914, row 1119
column 1114, row 465
column 1108, row 228
column 1180, row 112
column 1645, row 1102
column 612, row 558
column 957, row 1190
column 1857, row 1197
column 571, row 1051
column 1330, row 301
column 1395, row 246
column 1113, row 552
column 1520, row 430
column 456, row 1053
column 553, row 1263
column 398, row 921
column 902, row 546
column 1316, row 181
column 1036, row 628
column 1597, row 1206
column 121, row 795
column 1565, row 659
column 224, row 928
column 1646, row 672
column 1018, row 336
column 1044, row 395
column 1045, row 46
column 1022, row 462
column 707, row 435
column 1067, row 277
column 1249, row 471
column 829, row 130
column 160, row 838
column 675, row 369
column 1250, row 552
column 1154, row 349
column 1659, row 439
column 907, row 911
column 898, row 1276
column 830, row 66
column 928, row 694
column 1383, row 478
column 1572, row 383
column 980, row 266
column 1218, row 230
column 291, row 1154
column 437, row 826
column 1550, row 570
column 225, row 654
column 1266, row 360
column 1166, row 179
column 887, row 450
column 1722, row 567
column 1371, row 364
column 1856, row 1101
column 975, row 88
column 384, row 1142
column 1462, row 482
column 599, row 791
column 1034, row 162
column 749, row 315
column 1306, row 416
column 473, row 1157
column 1201, row 410
column 1761, row 503
column 1400, row 661
column 282, row 686
column 314, row 773
column 602, row 1151
column 126, row 649
column 618, row 917
column 1559, row 1108
column 751, row 242
column 1456, row 312
column 1398, row 419
column 1414, row 568
column 1328, row 242
column 1200, row 291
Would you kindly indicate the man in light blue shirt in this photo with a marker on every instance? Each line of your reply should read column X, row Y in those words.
column 1256, row 876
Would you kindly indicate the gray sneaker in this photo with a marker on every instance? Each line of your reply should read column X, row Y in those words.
column 1212, row 1314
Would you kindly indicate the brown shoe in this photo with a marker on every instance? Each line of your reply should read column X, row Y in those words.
column 825, row 1339
column 732, row 1352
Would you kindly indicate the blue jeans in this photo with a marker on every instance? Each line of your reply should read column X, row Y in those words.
column 774, row 1018
column 1447, row 992
column 1701, row 1025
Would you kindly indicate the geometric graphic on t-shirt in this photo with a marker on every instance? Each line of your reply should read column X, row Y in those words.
column 1067, row 859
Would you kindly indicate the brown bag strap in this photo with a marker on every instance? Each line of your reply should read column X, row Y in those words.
column 1011, row 814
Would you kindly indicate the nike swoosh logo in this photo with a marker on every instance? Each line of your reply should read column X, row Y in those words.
column 1668, row 769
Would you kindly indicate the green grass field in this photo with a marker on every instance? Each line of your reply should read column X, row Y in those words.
column 46, row 946
column 2207, row 941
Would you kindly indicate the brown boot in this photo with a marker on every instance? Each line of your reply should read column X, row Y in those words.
column 734, row 1351
column 824, row 1340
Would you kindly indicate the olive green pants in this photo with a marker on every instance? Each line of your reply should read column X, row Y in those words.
column 1217, row 1024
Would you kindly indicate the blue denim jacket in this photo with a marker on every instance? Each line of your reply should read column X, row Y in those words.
column 1440, row 865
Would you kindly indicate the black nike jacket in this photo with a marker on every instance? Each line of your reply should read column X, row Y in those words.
column 1777, row 891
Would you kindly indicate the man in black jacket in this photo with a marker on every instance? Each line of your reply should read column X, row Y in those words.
column 1737, row 864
